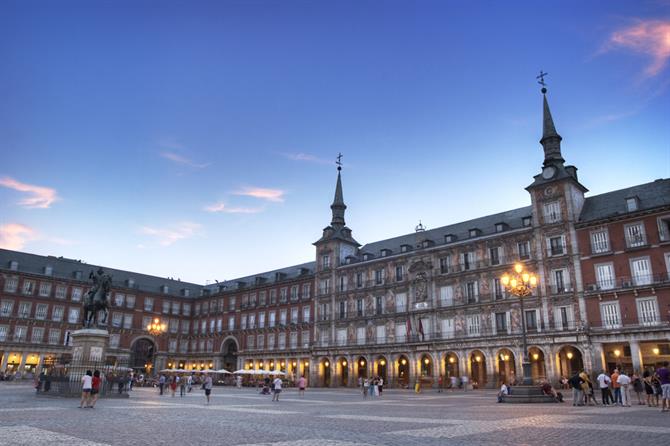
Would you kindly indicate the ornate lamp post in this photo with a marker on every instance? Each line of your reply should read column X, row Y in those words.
column 156, row 327
column 520, row 283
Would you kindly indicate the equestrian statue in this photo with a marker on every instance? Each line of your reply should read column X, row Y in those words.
column 96, row 299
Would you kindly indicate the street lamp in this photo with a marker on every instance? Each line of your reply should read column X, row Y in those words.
column 520, row 283
column 156, row 327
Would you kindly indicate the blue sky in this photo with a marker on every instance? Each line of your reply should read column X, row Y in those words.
column 197, row 139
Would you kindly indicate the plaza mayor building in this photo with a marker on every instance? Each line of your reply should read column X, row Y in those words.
column 414, row 307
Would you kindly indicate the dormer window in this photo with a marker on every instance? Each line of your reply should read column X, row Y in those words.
column 165, row 289
column 632, row 204
column 367, row 256
column 385, row 252
column 500, row 227
column 77, row 275
column 48, row 270
column 525, row 221
column 426, row 243
column 185, row 292
column 14, row 265
column 474, row 232
column 130, row 283
column 449, row 238
column 405, row 248
column 241, row 285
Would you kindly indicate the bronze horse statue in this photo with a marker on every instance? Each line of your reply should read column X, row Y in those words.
column 96, row 299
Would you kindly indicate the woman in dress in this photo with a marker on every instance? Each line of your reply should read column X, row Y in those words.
column 649, row 388
column 638, row 387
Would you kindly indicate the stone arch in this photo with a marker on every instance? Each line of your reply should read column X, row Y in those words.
column 403, row 370
column 506, row 366
column 143, row 350
column 425, row 365
column 478, row 368
column 342, row 368
column 325, row 371
column 538, row 363
column 362, row 367
column 381, row 367
column 229, row 348
column 451, row 368
column 570, row 360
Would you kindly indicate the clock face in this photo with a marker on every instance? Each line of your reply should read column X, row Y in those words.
column 548, row 172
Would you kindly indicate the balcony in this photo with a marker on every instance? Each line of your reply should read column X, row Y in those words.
column 627, row 282
column 560, row 289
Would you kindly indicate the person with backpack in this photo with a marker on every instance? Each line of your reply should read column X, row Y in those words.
column 577, row 394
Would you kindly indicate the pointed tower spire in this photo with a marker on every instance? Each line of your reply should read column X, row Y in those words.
column 338, row 207
column 551, row 140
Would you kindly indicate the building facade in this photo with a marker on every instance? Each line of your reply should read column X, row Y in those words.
column 411, row 308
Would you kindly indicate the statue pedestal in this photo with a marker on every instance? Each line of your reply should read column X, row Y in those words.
column 89, row 346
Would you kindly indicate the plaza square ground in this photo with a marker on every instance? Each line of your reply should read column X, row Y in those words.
column 331, row 417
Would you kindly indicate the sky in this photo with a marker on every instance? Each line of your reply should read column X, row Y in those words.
column 197, row 139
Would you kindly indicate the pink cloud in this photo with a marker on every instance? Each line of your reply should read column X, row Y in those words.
column 168, row 236
column 15, row 235
column 275, row 195
column 175, row 158
column 650, row 37
column 38, row 196
column 306, row 157
column 222, row 207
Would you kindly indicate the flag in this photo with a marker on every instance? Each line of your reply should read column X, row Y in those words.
column 409, row 328
column 421, row 330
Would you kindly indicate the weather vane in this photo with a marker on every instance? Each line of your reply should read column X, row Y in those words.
column 339, row 161
column 541, row 80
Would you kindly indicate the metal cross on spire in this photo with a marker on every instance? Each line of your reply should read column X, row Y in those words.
column 339, row 161
column 541, row 80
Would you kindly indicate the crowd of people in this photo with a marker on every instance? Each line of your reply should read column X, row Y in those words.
column 371, row 387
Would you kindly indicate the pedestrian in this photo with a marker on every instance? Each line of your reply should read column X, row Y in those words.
column 373, row 387
column 502, row 392
column 380, row 385
column 277, row 389
column 95, row 388
column 464, row 382
column 189, row 383
column 617, row 387
column 302, row 383
column 366, row 385
column 587, row 387
column 624, row 382
column 131, row 380
column 439, row 384
column 577, row 393
column 173, row 385
column 161, row 383
column 207, row 385
column 663, row 375
column 604, row 384
column 86, row 386
column 638, row 387
column 649, row 388
column 238, row 381
column 182, row 386
column 360, row 383
column 121, row 383
column 454, row 382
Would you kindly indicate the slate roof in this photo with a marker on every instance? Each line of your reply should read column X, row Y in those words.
column 290, row 272
column 65, row 269
column 487, row 225
column 612, row 204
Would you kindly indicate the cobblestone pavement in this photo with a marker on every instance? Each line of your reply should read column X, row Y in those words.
column 337, row 417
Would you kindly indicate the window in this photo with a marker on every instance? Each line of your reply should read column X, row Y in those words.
column 343, row 283
column 294, row 315
column 379, row 277
column 325, row 261
column 20, row 334
column 500, row 227
column 37, row 335
column 552, row 212
column 250, row 342
column 379, row 305
column 498, row 292
column 282, row 317
column 556, row 245
column 447, row 327
column 446, row 296
column 261, row 319
column 635, row 235
column 166, row 307
column 128, row 322
column 176, row 307
column 563, row 318
column 306, row 291
column 57, row 313
column 243, row 322
column 260, row 341
column 252, row 321
column 360, row 335
column 148, row 304
column 54, row 336
column 641, row 271
column 271, row 341
column 219, row 325
column 41, row 311
column 271, row 322
column 232, row 301
column 24, row 309
column 609, row 313
column 467, row 260
column 172, row 345
column 183, row 346
column 399, row 273
column 501, row 322
column 130, row 301
column 294, row 293
column 400, row 302
column 400, row 332
column 325, row 286
column 11, row 284
column 4, row 329
column 306, row 314
column 664, row 228
column 472, row 322
column 494, row 255
column 524, row 250
column 231, row 323
column 45, row 289
column 444, row 264
column 6, row 307
column 647, row 311
column 526, row 221
column 560, row 281
column 186, row 308
column 359, row 280
column 531, row 320
column 343, row 310
column 631, row 204
column 281, row 341
column 600, row 241
column 73, row 316
column 472, row 292
column 380, row 332
column 61, row 293
column 28, row 287
column 359, row 307
column 605, row 276
column 119, row 299
column 117, row 320
column 262, row 297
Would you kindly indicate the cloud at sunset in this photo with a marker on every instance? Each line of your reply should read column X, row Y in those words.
column 37, row 196
column 222, row 207
column 15, row 235
column 275, row 195
column 178, row 159
column 649, row 37
column 306, row 157
column 168, row 236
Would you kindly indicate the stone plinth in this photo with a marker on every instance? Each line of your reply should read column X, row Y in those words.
column 527, row 394
column 89, row 346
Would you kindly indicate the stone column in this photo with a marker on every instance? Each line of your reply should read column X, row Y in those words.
column 598, row 362
column 5, row 359
column 636, row 356
column 550, row 366
column 22, row 362
column 491, row 376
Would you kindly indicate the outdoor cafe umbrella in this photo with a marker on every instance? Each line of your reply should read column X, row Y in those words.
column 223, row 371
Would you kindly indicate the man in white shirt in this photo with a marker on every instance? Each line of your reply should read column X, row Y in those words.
column 624, row 381
column 277, row 389
column 503, row 391
column 604, row 384
column 86, row 386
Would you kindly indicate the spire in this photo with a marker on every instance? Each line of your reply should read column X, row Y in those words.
column 551, row 140
column 338, row 207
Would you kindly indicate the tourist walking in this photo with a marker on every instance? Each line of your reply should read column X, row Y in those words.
column 577, row 394
column 647, row 379
column 189, row 383
column 182, row 387
column 95, row 388
column 604, row 382
column 663, row 375
column 277, row 389
column 302, row 383
column 624, row 382
column 454, row 382
column 617, row 387
column 161, row 383
column 380, row 385
column 464, row 382
column 86, row 386
column 366, row 385
column 638, row 387
column 207, row 385
column 173, row 385
column 502, row 392
column 439, row 384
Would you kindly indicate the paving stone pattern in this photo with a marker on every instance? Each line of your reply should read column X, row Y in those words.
column 324, row 417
